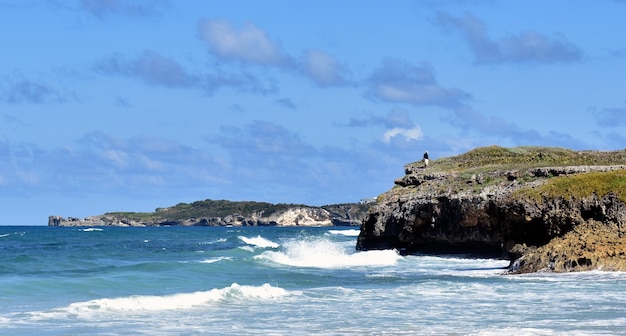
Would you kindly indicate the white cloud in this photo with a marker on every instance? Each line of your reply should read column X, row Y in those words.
column 414, row 133
column 250, row 44
column 247, row 44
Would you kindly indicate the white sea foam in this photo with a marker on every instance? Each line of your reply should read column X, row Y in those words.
column 457, row 266
column 91, row 229
column 349, row 233
column 259, row 242
column 326, row 254
column 4, row 235
column 153, row 303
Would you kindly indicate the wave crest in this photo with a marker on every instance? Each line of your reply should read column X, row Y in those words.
column 347, row 233
column 259, row 242
column 152, row 303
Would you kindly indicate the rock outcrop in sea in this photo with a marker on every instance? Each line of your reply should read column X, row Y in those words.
column 227, row 213
column 545, row 209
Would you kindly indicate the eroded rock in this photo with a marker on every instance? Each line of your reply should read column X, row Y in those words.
column 450, row 212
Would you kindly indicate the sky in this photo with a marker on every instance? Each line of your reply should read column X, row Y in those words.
column 115, row 105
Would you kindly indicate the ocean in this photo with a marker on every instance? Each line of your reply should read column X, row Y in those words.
column 279, row 281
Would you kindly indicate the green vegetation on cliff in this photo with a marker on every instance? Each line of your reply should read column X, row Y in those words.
column 223, row 208
column 494, row 165
column 579, row 186
column 206, row 208
column 495, row 157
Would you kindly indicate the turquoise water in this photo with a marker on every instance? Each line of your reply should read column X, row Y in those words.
column 279, row 281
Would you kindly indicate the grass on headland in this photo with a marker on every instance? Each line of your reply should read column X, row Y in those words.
column 478, row 163
column 224, row 208
column 579, row 186
column 495, row 157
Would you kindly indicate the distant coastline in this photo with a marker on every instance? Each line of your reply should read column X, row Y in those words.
column 229, row 213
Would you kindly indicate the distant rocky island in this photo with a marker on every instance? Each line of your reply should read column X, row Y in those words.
column 545, row 209
column 229, row 213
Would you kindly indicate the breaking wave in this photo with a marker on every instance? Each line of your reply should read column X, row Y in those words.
column 323, row 253
column 154, row 303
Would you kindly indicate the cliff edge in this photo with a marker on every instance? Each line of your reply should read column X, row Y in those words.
column 545, row 209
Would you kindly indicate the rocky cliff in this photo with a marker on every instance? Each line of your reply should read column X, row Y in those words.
column 227, row 213
column 545, row 209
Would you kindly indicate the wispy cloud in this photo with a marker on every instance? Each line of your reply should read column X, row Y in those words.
column 613, row 140
column 611, row 116
column 243, row 81
column 264, row 138
column 286, row 103
column 619, row 52
column 18, row 89
column 401, row 82
column 8, row 119
column 155, row 69
column 323, row 68
column 101, row 162
column 526, row 47
column 103, row 8
column 151, row 67
column 248, row 43
column 499, row 130
column 235, row 49
column 395, row 118
column 18, row 167
column 264, row 154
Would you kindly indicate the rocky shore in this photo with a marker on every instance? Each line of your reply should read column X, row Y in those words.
column 225, row 213
column 545, row 209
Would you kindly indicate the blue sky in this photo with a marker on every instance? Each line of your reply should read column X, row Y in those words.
column 113, row 105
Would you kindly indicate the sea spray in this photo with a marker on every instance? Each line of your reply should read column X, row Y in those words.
column 324, row 253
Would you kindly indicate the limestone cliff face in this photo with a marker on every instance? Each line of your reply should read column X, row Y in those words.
column 304, row 217
column 487, row 211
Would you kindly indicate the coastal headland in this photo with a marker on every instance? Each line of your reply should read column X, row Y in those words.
column 545, row 209
column 228, row 213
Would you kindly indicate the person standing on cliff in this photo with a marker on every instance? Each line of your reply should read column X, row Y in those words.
column 426, row 159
